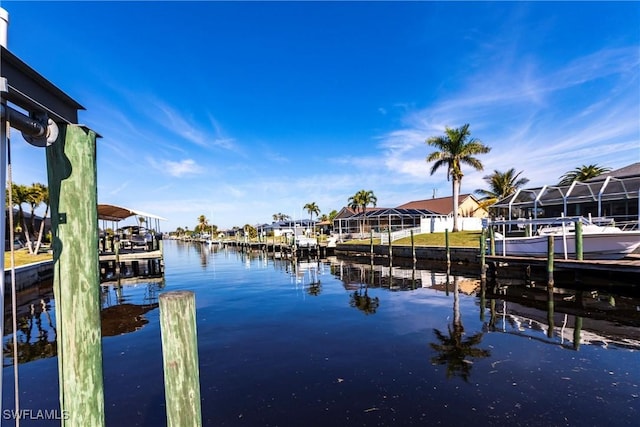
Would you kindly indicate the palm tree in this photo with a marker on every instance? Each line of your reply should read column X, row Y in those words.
column 501, row 185
column 33, row 198
column 360, row 201
column 18, row 196
column 203, row 222
column 454, row 148
column 582, row 174
column 44, row 195
column 312, row 209
column 280, row 217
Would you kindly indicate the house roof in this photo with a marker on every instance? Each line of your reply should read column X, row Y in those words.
column 632, row 170
column 440, row 205
column 401, row 212
column 347, row 212
column 118, row 213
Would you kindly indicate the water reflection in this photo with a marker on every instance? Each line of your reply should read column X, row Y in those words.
column 564, row 316
column 124, row 307
column 36, row 337
column 558, row 315
column 453, row 350
column 363, row 302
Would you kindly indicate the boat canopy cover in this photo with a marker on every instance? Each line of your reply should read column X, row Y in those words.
column 118, row 213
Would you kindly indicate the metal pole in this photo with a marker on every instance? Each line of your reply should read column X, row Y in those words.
column 180, row 358
column 4, row 128
column 23, row 123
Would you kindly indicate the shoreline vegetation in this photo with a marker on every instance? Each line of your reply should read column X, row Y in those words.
column 467, row 239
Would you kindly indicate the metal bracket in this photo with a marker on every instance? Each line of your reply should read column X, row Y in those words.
column 51, row 133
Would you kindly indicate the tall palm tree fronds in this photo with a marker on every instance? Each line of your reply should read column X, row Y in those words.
column 203, row 224
column 360, row 201
column 583, row 173
column 280, row 217
column 454, row 148
column 501, row 185
column 312, row 209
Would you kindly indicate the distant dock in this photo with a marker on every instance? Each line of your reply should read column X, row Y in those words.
column 120, row 260
column 284, row 250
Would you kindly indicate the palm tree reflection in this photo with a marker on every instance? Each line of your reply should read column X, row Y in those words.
column 44, row 345
column 362, row 301
column 314, row 289
column 453, row 350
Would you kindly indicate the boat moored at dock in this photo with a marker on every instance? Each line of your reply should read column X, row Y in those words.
column 570, row 235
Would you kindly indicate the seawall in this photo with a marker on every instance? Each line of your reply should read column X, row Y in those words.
column 434, row 253
column 28, row 275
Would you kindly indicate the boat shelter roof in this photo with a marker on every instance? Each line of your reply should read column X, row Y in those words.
column 118, row 213
column 399, row 212
column 611, row 188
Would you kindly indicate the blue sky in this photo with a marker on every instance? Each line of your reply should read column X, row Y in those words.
column 240, row 110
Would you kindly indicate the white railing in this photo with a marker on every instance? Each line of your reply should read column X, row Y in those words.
column 397, row 235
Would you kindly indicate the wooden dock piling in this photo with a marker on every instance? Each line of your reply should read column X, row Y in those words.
column 180, row 358
column 483, row 249
column 390, row 245
column 579, row 246
column 71, row 168
column 413, row 249
column 550, row 245
column 446, row 245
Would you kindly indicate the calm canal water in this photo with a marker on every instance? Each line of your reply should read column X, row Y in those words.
column 342, row 344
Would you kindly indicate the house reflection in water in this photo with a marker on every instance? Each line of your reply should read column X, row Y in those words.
column 124, row 307
column 125, row 304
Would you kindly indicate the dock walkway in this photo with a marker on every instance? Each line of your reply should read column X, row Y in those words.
column 630, row 264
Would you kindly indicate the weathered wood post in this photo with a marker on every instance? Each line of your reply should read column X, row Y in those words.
column 413, row 249
column 71, row 167
column 180, row 358
column 492, row 242
column 446, row 246
column 371, row 242
column 577, row 332
column 116, row 249
column 550, row 311
column 550, row 245
column 578, row 237
column 390, row 245
column 483, row 249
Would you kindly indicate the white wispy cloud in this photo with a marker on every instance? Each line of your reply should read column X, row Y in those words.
column 598, row 121
column 177, row 168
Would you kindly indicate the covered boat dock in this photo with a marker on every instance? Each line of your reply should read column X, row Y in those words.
column 131, row 251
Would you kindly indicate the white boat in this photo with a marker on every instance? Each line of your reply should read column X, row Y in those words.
column 598, row 242
column 305, row 242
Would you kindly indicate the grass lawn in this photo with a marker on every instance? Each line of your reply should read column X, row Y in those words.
column 465, row 239
column 22, row 257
